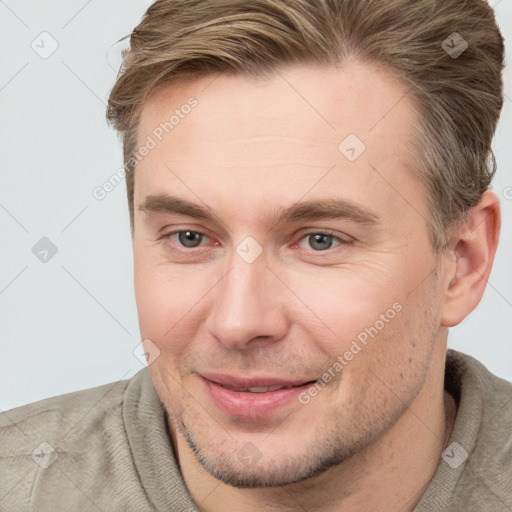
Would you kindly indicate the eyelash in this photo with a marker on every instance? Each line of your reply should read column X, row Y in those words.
column 327, row 232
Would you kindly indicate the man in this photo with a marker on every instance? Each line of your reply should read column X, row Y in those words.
column 309, row 198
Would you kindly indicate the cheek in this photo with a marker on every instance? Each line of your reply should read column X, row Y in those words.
column 171, row 302
column 348, row 304
column 394, row 359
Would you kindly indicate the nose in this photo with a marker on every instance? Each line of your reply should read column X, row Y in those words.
column 249, row 307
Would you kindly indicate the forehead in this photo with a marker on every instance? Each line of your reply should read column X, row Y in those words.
column 354, row 96
column 259, row 134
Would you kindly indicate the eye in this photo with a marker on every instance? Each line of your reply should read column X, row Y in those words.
column 320, row 241
column 188, row 238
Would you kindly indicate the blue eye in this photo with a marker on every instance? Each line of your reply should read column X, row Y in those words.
column 189, row 239
column 321, row 241
column 317, row 241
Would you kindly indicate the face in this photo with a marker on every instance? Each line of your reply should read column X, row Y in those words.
column 283, row 271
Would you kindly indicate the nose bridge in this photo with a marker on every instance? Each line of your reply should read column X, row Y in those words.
column 245, row 307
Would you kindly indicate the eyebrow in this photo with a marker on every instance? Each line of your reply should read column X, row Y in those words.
column 324, row 209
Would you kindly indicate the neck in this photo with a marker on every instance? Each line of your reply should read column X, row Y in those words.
column 391, row 474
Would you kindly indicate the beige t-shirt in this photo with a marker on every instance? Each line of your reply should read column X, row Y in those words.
column 108, row 449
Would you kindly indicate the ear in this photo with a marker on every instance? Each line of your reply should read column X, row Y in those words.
column 472, row 254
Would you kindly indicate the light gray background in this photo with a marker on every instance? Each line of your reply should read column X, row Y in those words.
column 71, row 323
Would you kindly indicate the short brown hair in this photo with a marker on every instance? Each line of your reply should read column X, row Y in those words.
column 458, row 97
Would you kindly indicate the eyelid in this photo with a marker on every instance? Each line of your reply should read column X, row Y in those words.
column 172, row 229
column 342, row 237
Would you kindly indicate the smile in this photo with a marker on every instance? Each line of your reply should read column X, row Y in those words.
column 251, row 398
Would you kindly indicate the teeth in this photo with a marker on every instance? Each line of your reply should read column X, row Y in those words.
column 266, row 389
column 262, row 389
column 259, row 389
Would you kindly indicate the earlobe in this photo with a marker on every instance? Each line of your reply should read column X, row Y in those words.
column 473, row 249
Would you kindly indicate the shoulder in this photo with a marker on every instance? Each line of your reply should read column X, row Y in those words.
column 465, row 370
column 485, row 434
column 475, row 470
column 489, row 396
column 68, row 449
column 56, row 417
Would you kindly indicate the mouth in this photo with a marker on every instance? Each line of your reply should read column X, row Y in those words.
column 262, row 389
column 258, row 389
column 252, row 397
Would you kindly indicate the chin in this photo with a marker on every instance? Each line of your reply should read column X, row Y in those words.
column 283, row 468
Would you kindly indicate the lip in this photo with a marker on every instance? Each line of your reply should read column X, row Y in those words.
column 234, row 402
column 253, row 382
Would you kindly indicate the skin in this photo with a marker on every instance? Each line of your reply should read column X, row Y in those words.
column 371, row 439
